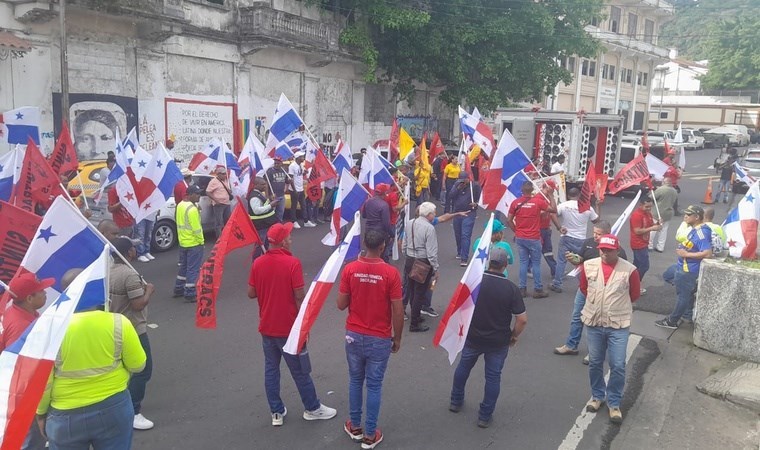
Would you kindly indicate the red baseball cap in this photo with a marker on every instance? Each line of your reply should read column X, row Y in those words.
column 27, row 284
column 609, row 241
column 278, row 232
column 551, row 183
column 382, row 188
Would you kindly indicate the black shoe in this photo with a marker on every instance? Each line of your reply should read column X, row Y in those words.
column 554, row 288
column 418, row 328
column 484, row 423
column 429, row 311
column 455, row 408
column 178, row 294
column 665, row 323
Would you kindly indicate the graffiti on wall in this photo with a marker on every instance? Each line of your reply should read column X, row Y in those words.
column 416, row 126
column 95, row 120
column 194, row 123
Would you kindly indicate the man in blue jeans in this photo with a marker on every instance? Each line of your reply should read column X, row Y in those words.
column 371, row 290
column 573, row 226
column 610, row 285
column 691, row 252
column 642, row 224
column 463, row 197
column 524, row 219
column 490, row 334
column 191, row 241
column 588, row 251
column 276, row 280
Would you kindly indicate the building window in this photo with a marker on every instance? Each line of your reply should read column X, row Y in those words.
column 626, row 75
column 605, row 71
column 639, row 78
column 633, row 24
column 584, row 67
column 615, row 19
column 649, row 31
column 664, row 115
column 592, row 69
column 571, row 64
column 612, row 73
column 594, row 22
column 646, row 79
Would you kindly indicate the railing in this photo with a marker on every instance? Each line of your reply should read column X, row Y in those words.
column 628, row 42
column 170, row 8
column 267, row 23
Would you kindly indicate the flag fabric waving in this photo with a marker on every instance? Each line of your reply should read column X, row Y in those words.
column 393, row 142
column 455, row 322
column 634, row 172
column 320, row 288
column 238, row 232
column 10, row 172
column 741, row 174
column 348, row 201
column 321, row 170
column 254, row 155
column 343, row 158
column 157, row 184
column 588, row 189
column 477, row 131
column 64, row 156
column 284, row 122
column 405, row 144
column 373, row 171
column 436, row 147
column 741, row 225
column 656, row 166
column 38, row 184
column 240, row 185
column 17, row 229
column 206, row 161
column 504, row 179
column 25, row 365
column 18, row 126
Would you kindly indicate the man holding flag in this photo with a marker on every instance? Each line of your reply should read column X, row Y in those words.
column 490, row 334
column 371, row 290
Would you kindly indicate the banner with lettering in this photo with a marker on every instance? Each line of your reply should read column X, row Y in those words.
column 17, row 229
column 588, row 189
column 634, row 172
column 239, row 232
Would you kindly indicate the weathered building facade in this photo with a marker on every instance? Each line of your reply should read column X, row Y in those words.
column 190, row 70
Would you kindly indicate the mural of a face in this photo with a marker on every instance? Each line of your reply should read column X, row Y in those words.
column 95, row 131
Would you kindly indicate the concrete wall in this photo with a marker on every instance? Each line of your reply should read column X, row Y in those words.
column 728, row 310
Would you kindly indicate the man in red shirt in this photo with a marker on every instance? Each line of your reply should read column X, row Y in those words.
column 524, row 219
column 642, row 223
column 276, row 280
column 28, row 294
column 371, row 290
column 180, row 189
column 121, row 216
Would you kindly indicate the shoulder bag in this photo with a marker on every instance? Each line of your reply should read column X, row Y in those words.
column 420, row 269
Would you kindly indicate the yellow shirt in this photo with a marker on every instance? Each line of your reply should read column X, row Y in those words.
column 98, row 353
column 452, row 171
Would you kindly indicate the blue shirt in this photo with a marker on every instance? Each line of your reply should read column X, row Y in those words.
column 698, row 240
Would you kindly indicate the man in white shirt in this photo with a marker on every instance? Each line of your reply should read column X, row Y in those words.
column 574, row 226
column 297, row 196
column 559, row 166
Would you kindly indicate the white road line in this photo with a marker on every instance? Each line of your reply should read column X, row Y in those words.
column 575, row 434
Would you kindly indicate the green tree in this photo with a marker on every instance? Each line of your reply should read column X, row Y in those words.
column 481, row 52
column 733, row 49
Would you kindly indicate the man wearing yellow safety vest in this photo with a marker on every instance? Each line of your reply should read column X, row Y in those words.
column 86, row 401
column 190, row 236
column 263, row 214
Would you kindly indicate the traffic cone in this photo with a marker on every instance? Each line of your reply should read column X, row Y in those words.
column 708, row 200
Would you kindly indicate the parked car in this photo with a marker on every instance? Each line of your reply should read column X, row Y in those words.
column 754, row 137
column 743, row 132
column 721, row 136
column 89, row 173
column 751, row 163
column 693, row 139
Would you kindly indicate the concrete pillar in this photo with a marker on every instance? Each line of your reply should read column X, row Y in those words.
column 635, row 78
column 617, row 85
column 598, row 100
column 649, row 95
column 578, row 82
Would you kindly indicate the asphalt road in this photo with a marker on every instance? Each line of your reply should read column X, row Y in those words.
column 207, row 389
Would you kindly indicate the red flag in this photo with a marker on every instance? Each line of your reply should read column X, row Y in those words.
column 393, row 142
column 601, row 186
column 322, row 169
column 668, row 151
column 436, row 147
column 634, row 172
column 64, row 156
column 239, row 232
column 39, row 184
column 588, row 189
column 17, row 231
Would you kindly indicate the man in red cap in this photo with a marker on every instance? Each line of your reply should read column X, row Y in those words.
column 276, row 280
column 377, row 216
column 28, row 294
column 611, row 285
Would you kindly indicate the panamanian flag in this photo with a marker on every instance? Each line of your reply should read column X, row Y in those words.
column 476, row 130
column 18, row 125
column 10, row 171
column 284, row 123
column 320, row 288
column 455, row 323
column 348, row 201
column 505, row 176
column 741, row 225
column 343, row 157
column 26, row 364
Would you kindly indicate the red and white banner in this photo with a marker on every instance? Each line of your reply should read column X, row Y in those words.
column 634, row 172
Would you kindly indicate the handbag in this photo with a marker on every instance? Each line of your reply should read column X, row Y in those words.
column 420, row 270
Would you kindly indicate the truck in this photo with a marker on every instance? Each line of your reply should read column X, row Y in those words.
column 581, row 137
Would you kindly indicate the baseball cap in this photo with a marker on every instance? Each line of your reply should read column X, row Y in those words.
column 463, row 176
column 609, row 241
column 299, row 154
column 278, row 232
column 27, row 284
column 497, row 226
column 551, row 183
column 498, row 255
column 694, row 210
column 193, row 190
column 382, row 188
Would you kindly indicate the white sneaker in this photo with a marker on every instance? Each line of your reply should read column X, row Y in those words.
column 150, row 257
column 143, row 258
column 643, row 291
column 321, row 413
column 141, row 423
column 296, row 226
column 278, row 419
column 310, row 224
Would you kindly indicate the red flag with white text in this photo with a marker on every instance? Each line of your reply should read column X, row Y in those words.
column 634, row 172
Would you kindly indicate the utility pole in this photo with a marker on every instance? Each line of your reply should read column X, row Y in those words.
column 64, row 62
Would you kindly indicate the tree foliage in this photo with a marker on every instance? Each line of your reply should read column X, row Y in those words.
column 733, row 49
column 481, row 52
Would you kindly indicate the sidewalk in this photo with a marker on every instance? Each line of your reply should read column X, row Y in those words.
column 670, row 413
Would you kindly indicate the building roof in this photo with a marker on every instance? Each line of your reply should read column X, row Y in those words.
column 10, row 41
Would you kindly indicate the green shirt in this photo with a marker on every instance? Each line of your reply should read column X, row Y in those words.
column 500, row 244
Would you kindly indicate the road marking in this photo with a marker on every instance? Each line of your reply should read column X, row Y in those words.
column 575, row 434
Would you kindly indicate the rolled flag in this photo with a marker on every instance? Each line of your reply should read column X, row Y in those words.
column 741, row 225
column 348, row 201
column 455, row 323
column 320, row 288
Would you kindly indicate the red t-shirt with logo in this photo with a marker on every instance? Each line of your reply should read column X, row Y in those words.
column 392, row 199
column 640, row 219
column 15, row 321
column 527, row 214
column 122, row 217
column 372, row 285
column 275, row 275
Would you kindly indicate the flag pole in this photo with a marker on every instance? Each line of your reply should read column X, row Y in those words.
column 81, row 186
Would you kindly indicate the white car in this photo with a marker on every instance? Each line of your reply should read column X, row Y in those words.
column 742, row 131
column 693, row 139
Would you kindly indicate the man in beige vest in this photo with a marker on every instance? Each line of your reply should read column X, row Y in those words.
column 611, row 285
